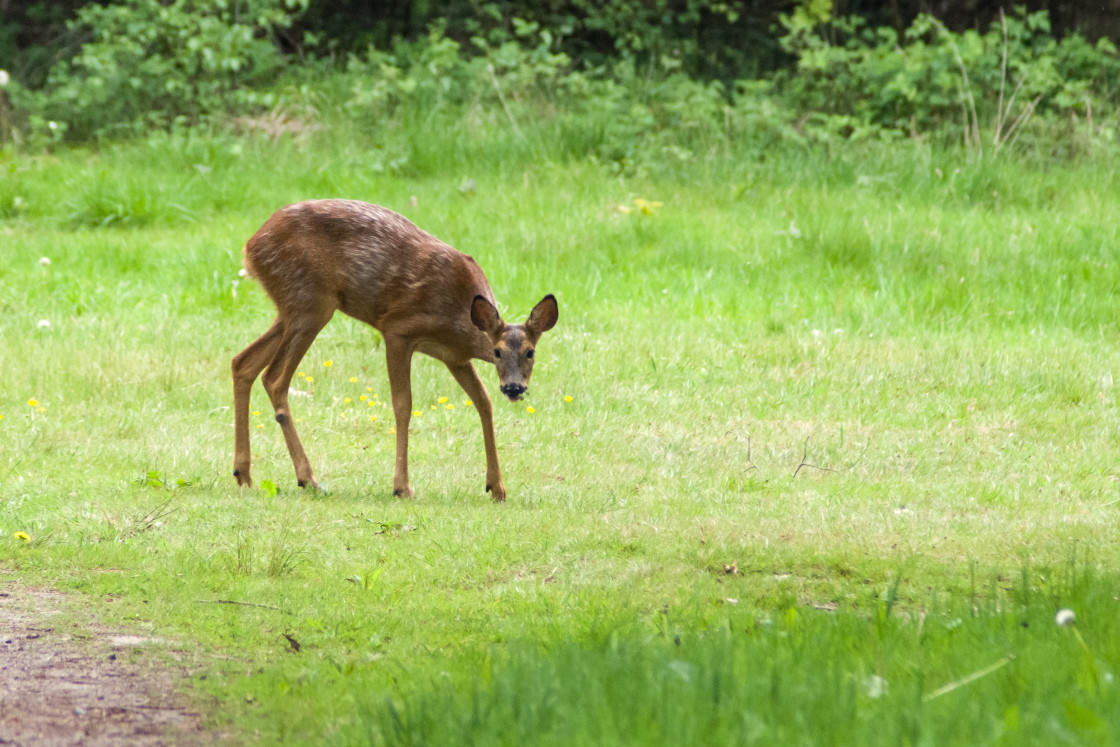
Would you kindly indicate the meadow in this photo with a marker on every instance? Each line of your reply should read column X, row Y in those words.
column 823, row 440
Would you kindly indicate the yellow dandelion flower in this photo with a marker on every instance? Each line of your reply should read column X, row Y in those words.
column 442, row 400
column 416, row 413
column 371, row 403
column 369, row 389
column 363, row 398
column 302, row 374
column 256, row 412
column 347, row 400
column 32, row 403
column 353, row 379
column 1, row 417
column 449, row 406
column 373, row 417
column 260, row 425
column 567, row 398
column 433, row 407
column 530, row 410
column 468, row 403
column 392, row 431
column 24, row 536
column 328, row 364
column 310, row 379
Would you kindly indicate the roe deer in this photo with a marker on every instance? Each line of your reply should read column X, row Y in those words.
column 319, row 256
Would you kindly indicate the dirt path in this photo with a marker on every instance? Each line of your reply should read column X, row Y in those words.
column 68, row 682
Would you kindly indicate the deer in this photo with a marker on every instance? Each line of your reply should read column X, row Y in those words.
column 317, row 257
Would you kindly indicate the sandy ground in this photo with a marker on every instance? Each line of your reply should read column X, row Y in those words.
column 66, row 681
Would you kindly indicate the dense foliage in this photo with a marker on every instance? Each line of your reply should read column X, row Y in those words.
column 638, row 80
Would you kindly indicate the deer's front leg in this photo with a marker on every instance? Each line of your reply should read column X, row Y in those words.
column 398, row 356
column 467, row 377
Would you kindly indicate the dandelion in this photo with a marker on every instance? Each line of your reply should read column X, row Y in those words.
column 442, row 400
column 256, row 413
column 1065, row 617
column 567, row 398
column 347, row 400
column 32, row 403
column 45, row 261
column 22, row 536
column 467, row 403
column 448, row 406
column 363, row 398
column 530, row 410
column 876, row 686
column 392, row 431
column 416, row 413
column 242, row 273
column 310, row 379
column 370, row 389
column 328, row 364
column 44, row 324
column 1, row 417
column 647, row 207
column 371, row 403
column 259, row 426
column 372, row 417
column 302, row 375
column 353, row 379
column 432, row 407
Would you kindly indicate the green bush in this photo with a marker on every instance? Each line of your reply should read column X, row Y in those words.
column 872, row 81
column 152, row 64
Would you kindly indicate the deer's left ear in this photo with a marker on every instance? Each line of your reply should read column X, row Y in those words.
column 543, row 316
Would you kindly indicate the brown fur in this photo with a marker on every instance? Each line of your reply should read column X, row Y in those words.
column 321, row 256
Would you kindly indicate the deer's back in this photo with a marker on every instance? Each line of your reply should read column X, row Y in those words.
column 366, row 260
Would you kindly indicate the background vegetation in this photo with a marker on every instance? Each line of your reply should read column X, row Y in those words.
column 825, row 438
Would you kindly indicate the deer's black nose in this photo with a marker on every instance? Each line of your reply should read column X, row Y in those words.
column 513, row 391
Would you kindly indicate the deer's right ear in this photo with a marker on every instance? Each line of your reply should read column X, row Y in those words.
column 485, row 316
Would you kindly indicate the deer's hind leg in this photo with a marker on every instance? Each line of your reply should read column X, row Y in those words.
column 247, row 366
column 299, row 333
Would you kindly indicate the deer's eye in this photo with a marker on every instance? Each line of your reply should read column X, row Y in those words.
column 529, row 355
column 497, row 353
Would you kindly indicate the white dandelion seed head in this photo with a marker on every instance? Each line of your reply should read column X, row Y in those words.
column 1065, row 617
column 876, row 686
column 45, row 261
column 44, row 323
column 242, row 273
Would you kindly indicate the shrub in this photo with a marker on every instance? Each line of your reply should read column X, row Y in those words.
column 931, row 79
column 150, row 64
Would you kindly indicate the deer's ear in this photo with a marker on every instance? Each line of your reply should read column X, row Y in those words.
column 543, row 316
column 485, row 316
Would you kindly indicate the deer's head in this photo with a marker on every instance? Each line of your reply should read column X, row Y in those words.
column 514, row 344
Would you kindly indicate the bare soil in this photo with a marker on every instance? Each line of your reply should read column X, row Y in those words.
column 64, row 680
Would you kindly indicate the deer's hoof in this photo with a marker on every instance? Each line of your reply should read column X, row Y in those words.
column 497, row 492
column 405, row 492
column 243, row 478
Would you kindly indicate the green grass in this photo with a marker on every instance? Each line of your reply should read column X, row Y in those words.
column 876, row 386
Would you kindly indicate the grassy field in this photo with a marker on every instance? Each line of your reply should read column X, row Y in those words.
column 842, row 437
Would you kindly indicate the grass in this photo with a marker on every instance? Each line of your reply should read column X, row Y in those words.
column 832, row 418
